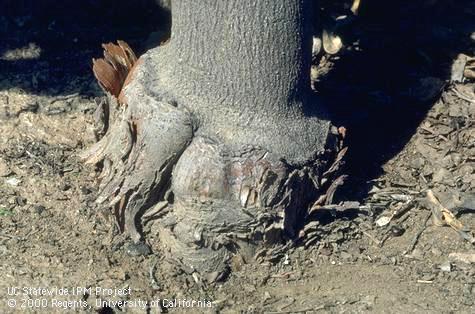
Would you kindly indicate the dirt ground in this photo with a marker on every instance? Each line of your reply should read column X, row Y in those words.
column 411, row 128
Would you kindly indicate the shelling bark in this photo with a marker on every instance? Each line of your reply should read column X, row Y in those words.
column 221, row 124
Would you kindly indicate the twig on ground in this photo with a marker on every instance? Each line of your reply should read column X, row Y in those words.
column 283, row 275
column 431, row 131
column 66, row 97
column 463, row 96
column 418, row 235
column 378, row 243
column 443, row 216
column 153, row 280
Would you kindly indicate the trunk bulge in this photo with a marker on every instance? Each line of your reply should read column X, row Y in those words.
column 220, row 124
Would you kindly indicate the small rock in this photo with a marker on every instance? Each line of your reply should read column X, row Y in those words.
column 13, row 181
column 369, row 300
column 64, row 186
column 383, row 221
column 267, row 296
column 85, row 190
column 138, row 249
column 30, row 107
column 417, row 163
column 39, row 209
column 397, row 231
column 286, row 260
column 446, row 267
column 394, row 260
column 212, row 277
column 20, row 201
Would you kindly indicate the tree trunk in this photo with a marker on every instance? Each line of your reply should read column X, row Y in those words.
column 221, row 124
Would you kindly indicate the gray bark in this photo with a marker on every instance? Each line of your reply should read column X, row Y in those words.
column 220, row 123
column 242, row 68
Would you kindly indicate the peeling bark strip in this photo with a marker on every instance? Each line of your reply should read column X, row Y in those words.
column 112, row 70
column 221, row 125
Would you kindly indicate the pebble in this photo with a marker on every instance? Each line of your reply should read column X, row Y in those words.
column 397, row 231
column 418, row 163
column 445, row 267
column 267, row 296
column 13, row 181
column 213, row 276
column 64, row 186
column 30, row 107
column 85, row 190
column 383, row 221
column 138, row 249
column 39, row 209
column 20, row 201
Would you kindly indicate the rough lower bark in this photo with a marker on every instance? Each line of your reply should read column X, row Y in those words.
column 220, row 123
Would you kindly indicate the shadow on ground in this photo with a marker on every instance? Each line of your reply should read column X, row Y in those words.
column 44, row 43
column 382, row 86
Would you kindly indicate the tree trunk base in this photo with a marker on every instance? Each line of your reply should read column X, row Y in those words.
column 224, row 197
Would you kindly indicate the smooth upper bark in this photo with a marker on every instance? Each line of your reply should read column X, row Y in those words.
column 242, row 69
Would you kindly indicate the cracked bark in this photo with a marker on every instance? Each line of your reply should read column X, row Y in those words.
column 221, row 123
